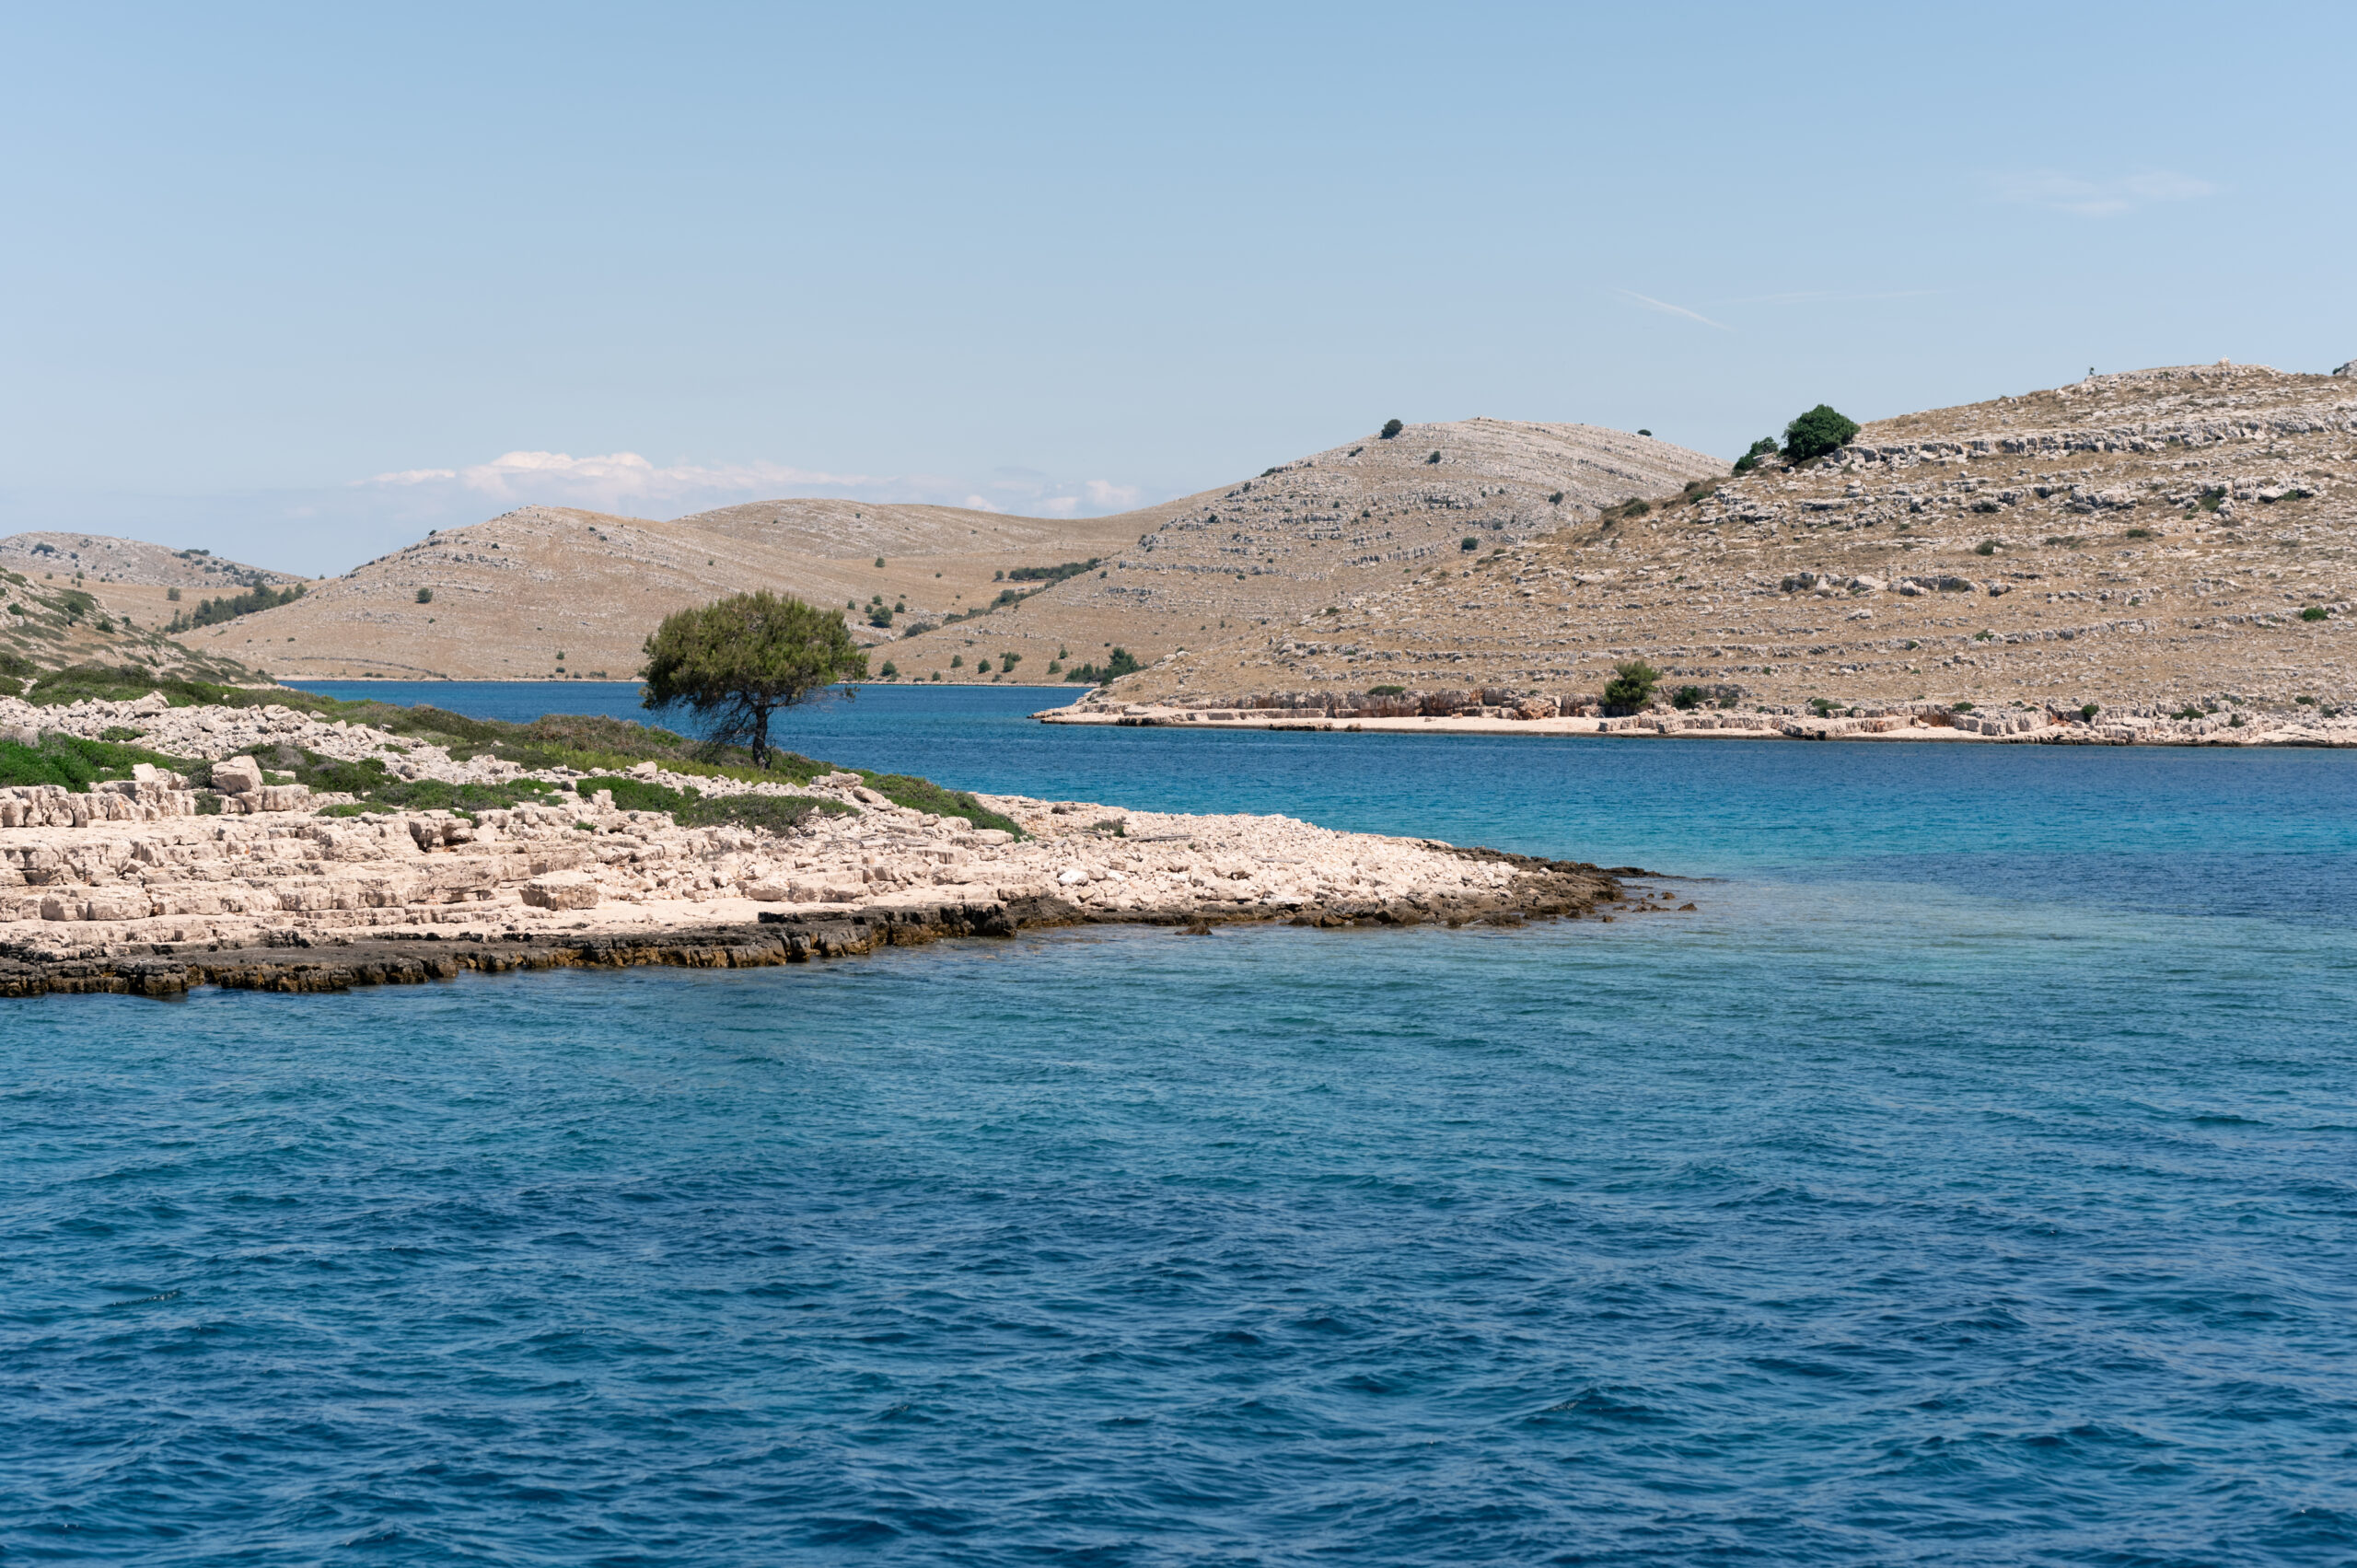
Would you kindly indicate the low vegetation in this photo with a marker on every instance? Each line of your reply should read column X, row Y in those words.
column 127, row 683
column 1044, row 574
column 72, row 763
column 212, row 612
column 1116, row 664
column 691, row 807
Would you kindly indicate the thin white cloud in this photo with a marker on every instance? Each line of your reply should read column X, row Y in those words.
column 1832, row 296
column 1667, row 308
column 628, row 483
column 616, row 481
column 2060, row 192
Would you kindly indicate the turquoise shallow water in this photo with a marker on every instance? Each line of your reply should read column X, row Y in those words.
column 1969, row 1180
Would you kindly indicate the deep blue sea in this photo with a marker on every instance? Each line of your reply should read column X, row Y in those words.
column 1970, row 1178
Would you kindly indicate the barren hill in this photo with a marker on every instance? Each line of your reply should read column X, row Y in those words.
column 543, row 590
column 1346, row 521
column 2177, row 536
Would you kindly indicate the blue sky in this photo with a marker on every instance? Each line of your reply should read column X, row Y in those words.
column 1063, row 258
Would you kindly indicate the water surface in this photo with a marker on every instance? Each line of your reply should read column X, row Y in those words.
column 1970, row 1179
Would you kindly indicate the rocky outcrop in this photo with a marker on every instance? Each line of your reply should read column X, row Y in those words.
column 134, row 887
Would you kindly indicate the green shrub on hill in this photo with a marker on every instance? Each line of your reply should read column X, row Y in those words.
column 1821, row 430
column 1632, row 684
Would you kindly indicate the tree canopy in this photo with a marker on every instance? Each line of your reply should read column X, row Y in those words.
column 736, row 662
column 1815, row 432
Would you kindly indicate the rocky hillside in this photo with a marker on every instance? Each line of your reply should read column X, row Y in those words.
column 97, row 561
column 2177, row 536
column 86, row 598
column 51, row 621
column 1355, row 519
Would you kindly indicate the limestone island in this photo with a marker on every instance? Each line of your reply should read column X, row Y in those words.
column 194, row 846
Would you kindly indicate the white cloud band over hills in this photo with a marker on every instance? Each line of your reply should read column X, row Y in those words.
column 629, row 483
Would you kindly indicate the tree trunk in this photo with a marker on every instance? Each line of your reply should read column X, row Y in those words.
column 761, row 735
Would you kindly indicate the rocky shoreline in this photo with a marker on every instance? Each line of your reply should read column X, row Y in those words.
column 1501, row 712
column 295, row 961
column 148, row 886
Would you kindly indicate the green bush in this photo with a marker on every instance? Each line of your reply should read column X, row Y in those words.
column 2140, row 533
column 1390, row 428
column 1469, row 542
column 1119, row 664
column 1632, row 684
column 1434, row 458
column 1764, row 447
column 2087, row 711
column 425, row 596
column 2316, row 612
column 1386, row 690
column 1687, row 697
column 1818, row 432
column 1986, row 547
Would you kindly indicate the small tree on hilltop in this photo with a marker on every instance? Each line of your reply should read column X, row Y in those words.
column 1815, row 432
column 736, row 662
column 1391, row 427
column 1632, row 684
